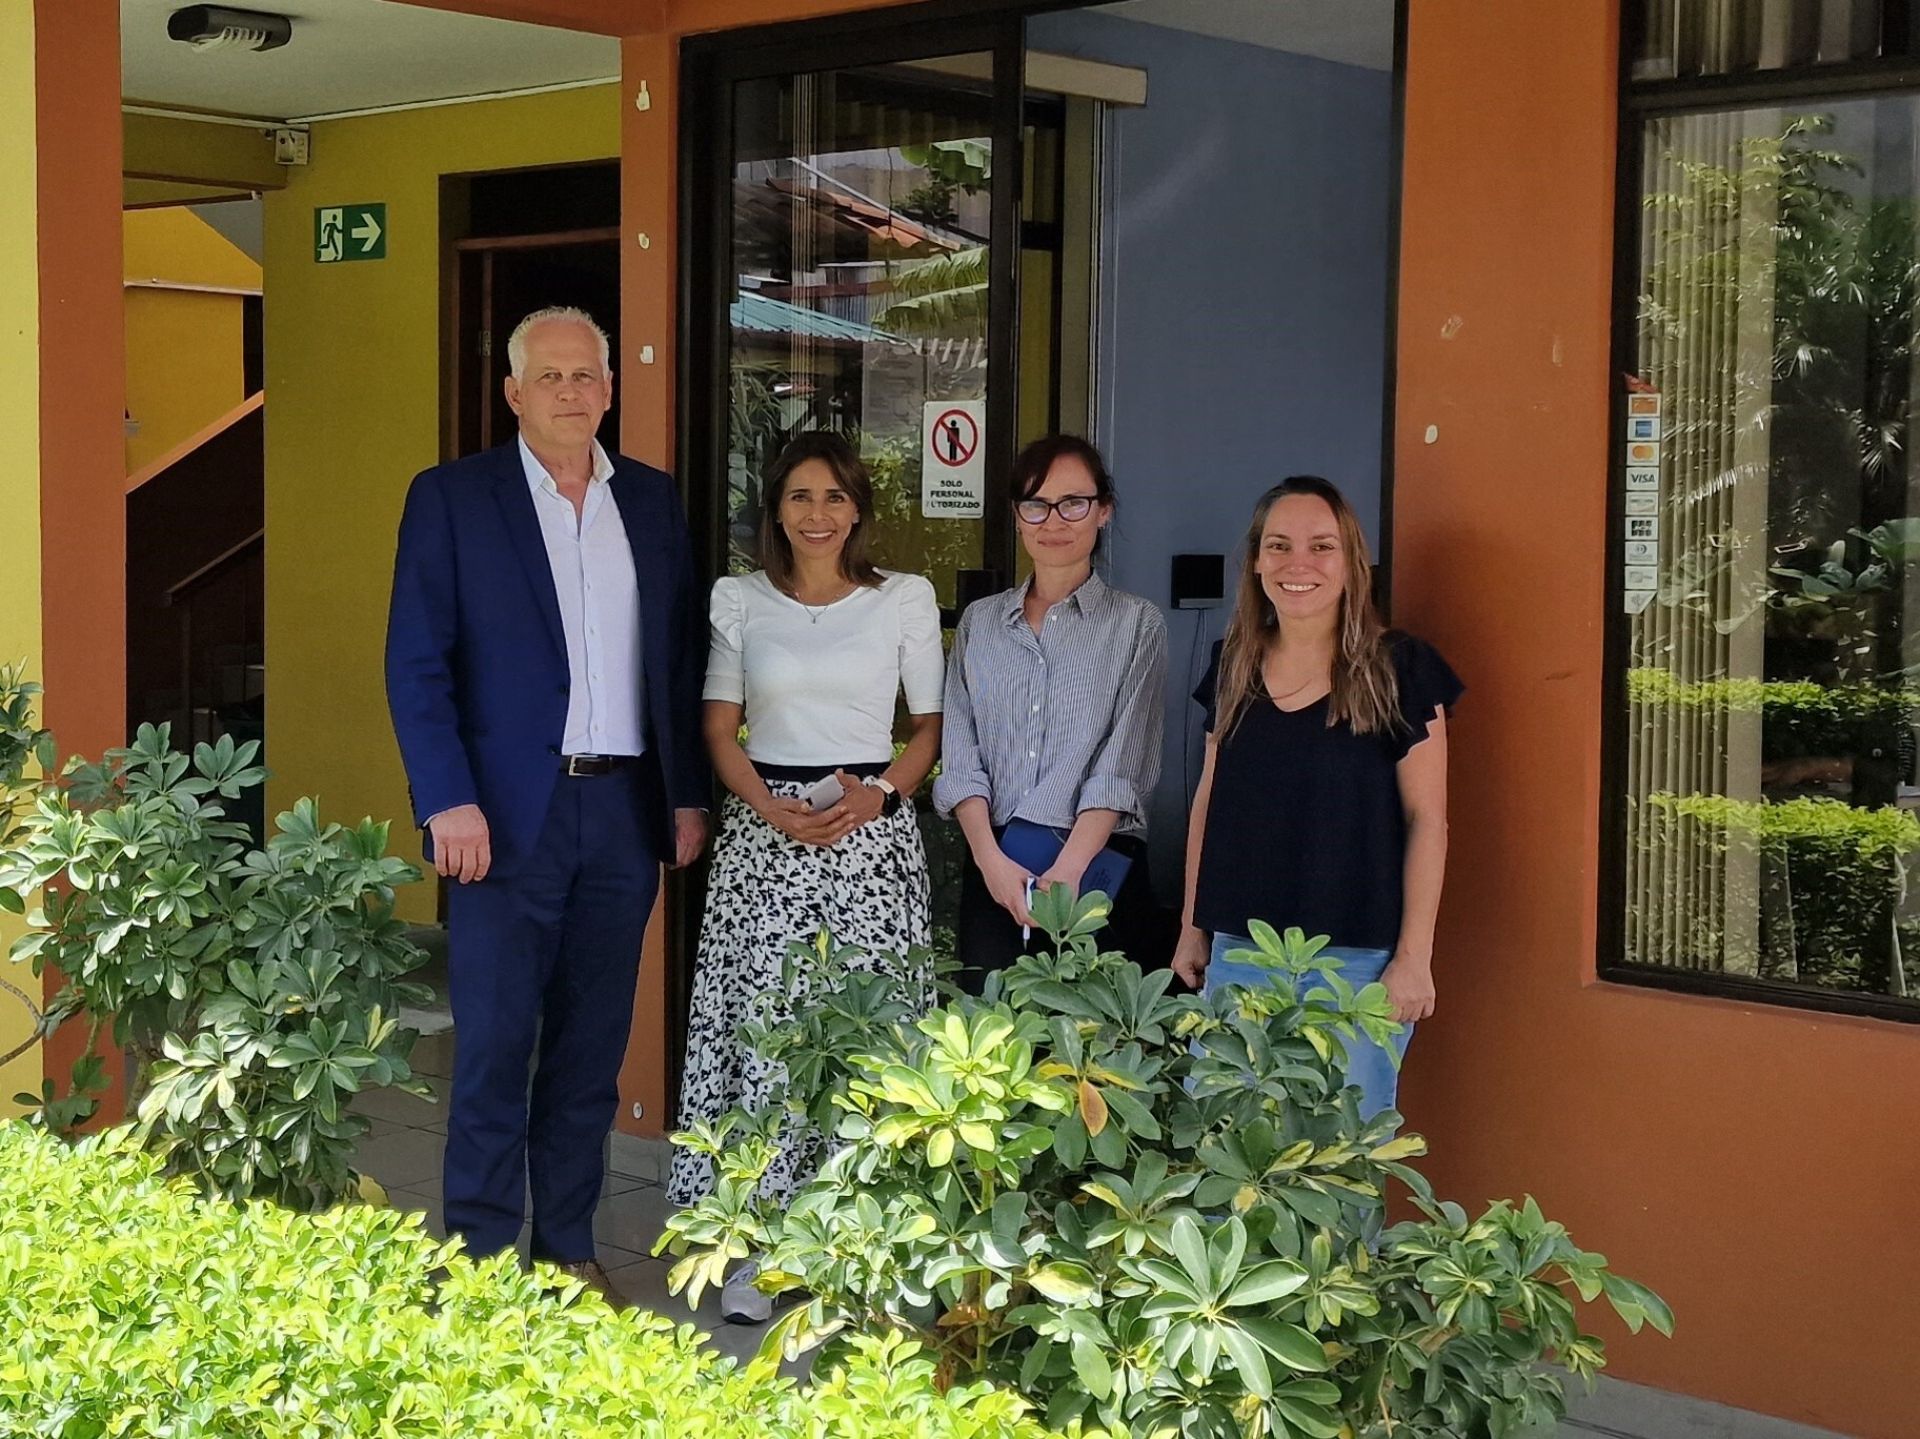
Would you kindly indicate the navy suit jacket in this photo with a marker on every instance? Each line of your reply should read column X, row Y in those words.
column 476, row 658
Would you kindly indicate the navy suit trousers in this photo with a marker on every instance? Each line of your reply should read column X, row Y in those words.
column 548, row 956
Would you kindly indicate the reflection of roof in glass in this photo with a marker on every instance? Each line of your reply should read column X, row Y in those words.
column 768, row 316
column 863, row 212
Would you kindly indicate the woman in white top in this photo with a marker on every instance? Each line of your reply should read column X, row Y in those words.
column 811, row 651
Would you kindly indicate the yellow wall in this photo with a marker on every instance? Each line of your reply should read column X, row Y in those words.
column 20, row 477
column 177, row 246
column 184, row 362
column 353, row 359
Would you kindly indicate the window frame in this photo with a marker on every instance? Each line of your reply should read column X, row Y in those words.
column 1639, row 103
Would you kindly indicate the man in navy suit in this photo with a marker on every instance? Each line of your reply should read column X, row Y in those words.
column 545, row 648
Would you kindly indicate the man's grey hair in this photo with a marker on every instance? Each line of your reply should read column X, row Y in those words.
column 571, row 314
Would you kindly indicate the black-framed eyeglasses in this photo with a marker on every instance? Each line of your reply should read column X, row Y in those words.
column 1071, row 507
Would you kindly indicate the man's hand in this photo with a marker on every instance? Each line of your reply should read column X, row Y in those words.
column 689, row 836
column 462, row 844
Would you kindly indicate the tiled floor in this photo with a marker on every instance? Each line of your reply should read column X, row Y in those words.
column 403, row 1153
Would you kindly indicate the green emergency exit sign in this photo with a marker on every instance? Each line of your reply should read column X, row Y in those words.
column 349, row 232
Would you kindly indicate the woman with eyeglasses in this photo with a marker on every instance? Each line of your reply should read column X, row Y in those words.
column 1054, row 706
column 1323, row 799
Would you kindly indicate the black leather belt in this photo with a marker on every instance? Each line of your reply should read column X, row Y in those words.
column 591, row 764
column 804, row 773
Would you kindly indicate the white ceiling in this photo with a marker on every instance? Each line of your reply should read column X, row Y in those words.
column 1353, row 32
column 351, row 55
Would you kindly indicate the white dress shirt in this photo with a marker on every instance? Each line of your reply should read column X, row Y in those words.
column 593, row 576
column 819, row 683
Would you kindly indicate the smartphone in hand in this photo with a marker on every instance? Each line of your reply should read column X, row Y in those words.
column 824, row 795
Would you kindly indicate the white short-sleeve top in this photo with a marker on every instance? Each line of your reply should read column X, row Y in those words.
column 819, row 684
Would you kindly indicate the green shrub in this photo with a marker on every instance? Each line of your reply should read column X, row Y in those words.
column 1799, row 717
column 130, row 1305
column 1159, row 1214
column 256, row 990
column 23, row 744
column 1831, row 881
column 1814, row 820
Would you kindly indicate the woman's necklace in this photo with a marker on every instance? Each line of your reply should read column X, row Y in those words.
column 1308, row 683
column 815, row 611
column 1297, row 689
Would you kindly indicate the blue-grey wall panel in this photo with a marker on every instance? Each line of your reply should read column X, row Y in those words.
column 1243, row 312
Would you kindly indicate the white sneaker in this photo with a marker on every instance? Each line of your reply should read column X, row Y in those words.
column 740, row 1302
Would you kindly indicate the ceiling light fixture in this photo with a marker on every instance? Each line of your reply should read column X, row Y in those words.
column 221, row 27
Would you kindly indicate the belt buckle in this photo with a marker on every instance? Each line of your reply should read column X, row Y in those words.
column 574, row 761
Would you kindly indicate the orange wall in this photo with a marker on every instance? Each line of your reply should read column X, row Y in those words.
column 649, row 302
column 602, row 17
column 651, row 17
column 1755, row 1164
column 77, row 63
column 82, row 388
column 685, row 17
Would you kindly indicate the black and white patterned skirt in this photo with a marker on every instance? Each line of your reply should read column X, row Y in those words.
column 764, row 892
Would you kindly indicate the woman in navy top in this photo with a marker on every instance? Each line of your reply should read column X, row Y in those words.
column 1323, row 801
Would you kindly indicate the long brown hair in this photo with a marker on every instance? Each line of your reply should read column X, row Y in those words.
column 1366, row 692
column 776, row 550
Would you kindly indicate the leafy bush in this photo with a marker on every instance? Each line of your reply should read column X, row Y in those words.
column 1153, row 1213
column 130, row 1305
column 1874, row 834
column 1799, row 717
column 257, row 989
column 22, row 744
column 1831, row 883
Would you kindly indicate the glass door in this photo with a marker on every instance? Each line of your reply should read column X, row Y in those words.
column 861, row 241
column 856, row 264
column 855, row 251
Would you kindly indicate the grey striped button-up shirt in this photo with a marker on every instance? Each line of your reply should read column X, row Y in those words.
column 1045, row 726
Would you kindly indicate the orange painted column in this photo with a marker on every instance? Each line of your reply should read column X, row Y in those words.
column 82, row 389
column 1755, row 1164
column 602, row 17
column 690, row 16
column 649, row 306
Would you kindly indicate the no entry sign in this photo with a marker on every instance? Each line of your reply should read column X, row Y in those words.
column 953, row 462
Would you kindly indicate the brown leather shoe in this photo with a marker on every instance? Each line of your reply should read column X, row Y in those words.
column 589, row 1273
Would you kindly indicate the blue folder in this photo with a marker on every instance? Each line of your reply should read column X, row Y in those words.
column 1034, row 847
